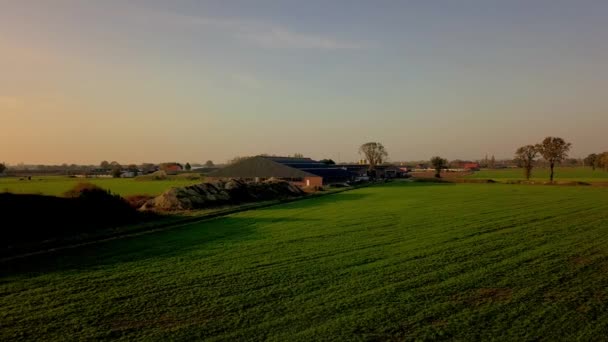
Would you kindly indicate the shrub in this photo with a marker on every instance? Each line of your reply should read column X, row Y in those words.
column 137, row 201
column 82, row 188
column 85, row 209
column 158, row 175
column 190, row 176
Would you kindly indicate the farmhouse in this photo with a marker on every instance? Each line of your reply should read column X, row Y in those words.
column 300, row 171
column 471, row 166
column 171, row 168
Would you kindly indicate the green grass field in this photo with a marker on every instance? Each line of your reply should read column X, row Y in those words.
column 567, row 174
column 57, row 185
column 400, row 261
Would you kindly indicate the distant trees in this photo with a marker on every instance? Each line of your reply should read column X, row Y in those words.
column 375, row 153
column 188, row 167
column 554, row 150
column 148, row 168
column 602, row 161
column 525, row 156
column 597, row 160
column 298, row 155
column 237, row 159
column 485, row 162
column 438, row 164
column 2, row 167
column 116, row 169
column 492, row 163
column 104, row 164
column 133, row 168
column 209, row 163
column 327, row 161
column 591, row 160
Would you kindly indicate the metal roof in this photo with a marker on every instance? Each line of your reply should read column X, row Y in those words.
column 262, row 167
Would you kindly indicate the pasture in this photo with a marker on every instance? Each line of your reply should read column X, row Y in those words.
column 398, row 261
column 58, row 185
column 565, row 174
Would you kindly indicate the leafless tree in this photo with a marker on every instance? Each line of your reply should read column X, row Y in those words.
column 525, row 156
column 592, row 161
column 375, row 153
column 554, row 150
column 438, row 164
column 602, row 161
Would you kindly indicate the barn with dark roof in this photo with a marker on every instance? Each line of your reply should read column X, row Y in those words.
column 300, row 171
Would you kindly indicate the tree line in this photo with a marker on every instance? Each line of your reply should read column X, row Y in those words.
column 553, row 150
column 597, row 161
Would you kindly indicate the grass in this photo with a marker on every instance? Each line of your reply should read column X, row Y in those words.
column 566, row 174
column 57, row 185
column 400, row 261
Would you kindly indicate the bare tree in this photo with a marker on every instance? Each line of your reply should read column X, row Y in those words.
column 591, row 160
column 602, row 161
column 554, row 150
column 438, row 164
column 375, row 153
column 525, row 156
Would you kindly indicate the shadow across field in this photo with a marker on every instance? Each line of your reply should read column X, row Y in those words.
column 181, row 240
column 320, row 201
column 165, row 244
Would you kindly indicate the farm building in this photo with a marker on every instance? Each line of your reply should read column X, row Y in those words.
column 382, row 171
column 171, row 168
column 300, row 171
column 471, row 166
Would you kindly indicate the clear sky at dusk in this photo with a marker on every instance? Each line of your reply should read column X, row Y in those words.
column 136, row 81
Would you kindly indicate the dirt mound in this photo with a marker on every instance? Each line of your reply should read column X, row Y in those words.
column 233, row 191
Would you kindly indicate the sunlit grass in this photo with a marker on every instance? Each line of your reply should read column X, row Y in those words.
column 571, row 174
column 57, row 185
column 401, row 262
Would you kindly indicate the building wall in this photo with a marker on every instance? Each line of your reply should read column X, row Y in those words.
column 307, row 181
column 310, row 181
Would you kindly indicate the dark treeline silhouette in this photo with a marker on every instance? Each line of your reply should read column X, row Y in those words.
column 86, row 209
column 597, row 161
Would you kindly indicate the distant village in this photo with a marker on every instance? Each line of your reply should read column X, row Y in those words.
column 296, row 169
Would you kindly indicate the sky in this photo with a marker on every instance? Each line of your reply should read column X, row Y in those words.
column 153, row 81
